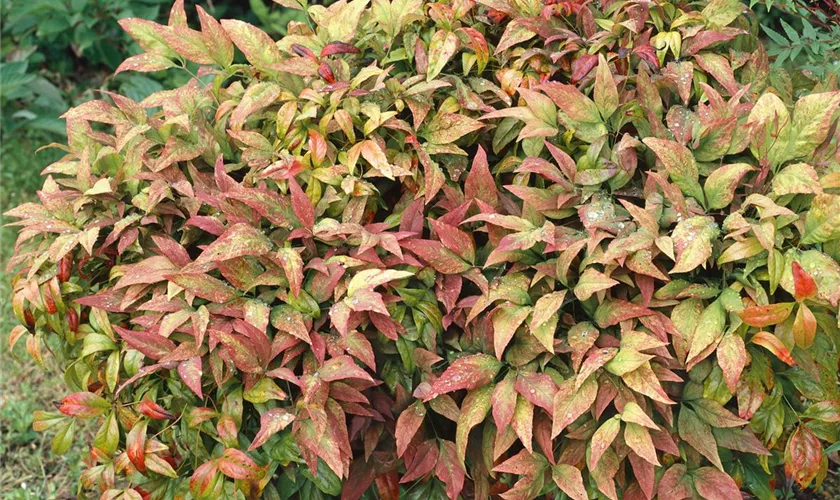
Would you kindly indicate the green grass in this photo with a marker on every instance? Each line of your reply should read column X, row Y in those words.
column 29, row 469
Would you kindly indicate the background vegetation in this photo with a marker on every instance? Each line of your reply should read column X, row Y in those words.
column 56, row 53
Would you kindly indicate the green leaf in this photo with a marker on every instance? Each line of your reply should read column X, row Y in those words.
column 693, row 242
column 679, row 163
column 606, row 91
column 446, row 128
column 443, row 46
column 721, row 184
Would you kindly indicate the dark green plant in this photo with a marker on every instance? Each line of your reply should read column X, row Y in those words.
column 802, row 34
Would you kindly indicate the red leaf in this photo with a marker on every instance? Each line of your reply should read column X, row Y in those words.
column 342, row 367
column 190, row 372
column 153, row 410
column 480, row 183
column 151, row 345
column 408, row 423
column 449, row 470
column 135, row 445
column 582, row 66
column 301, row 205
column 204, row 479
column 772, row 343
column 713, row 484
column 422, row 462
column 468, row 372
column 571, row 403
column 338, row 48
column 271, row 422
column 803, row 456
column 237, row 465
column 437, row 255
column 83, row 405
column 763, row 316
column 238, row 241
column 804, row 285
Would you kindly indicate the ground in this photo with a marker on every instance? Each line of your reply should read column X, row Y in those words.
column 29, row 469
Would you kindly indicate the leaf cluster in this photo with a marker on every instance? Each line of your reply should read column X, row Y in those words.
column 441, row 249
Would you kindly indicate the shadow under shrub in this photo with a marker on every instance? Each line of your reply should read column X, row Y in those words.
column 441, row 249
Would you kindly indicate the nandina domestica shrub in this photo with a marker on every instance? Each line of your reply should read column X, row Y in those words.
column 442, row 249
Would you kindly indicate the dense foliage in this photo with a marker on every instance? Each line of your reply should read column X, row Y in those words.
column 54, row 51
column 439, row 249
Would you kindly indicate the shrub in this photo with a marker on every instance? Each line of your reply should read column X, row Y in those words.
column 430, row 249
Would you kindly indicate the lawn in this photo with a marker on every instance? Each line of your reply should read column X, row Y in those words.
column 29, row 469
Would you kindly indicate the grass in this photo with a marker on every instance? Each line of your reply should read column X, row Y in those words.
column 29, row 469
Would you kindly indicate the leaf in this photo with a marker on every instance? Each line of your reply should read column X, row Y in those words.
column 693, row 242
column 215, row 37
column 803, row 456
column 606, row 92
column 449, row 470
column 571, row 403
column 83, row 405
column 763, row 316
column 592, row 281
column 408, row 423
column 732, row 358
column 804, row 327
column 811, row 122
column 443, row 46
column 644, row 381
column 569, row 479
column 503, row 402
column 799, row 178
column 772, row 343
column 546, row 307
column 823, row 269
column 721, row 184
column 679, row 163
column 699, row 435
column 437, row 255
column 506, row 320
column 575, row 110
column 468, row 372
column 474, row 409
column 480, row 184
column 145, row 63
column 709, row 329
column 258, row 47
column 238, row 241
column 602, row 439
column 822, row 222
column 713, row 484
column 626, row 361
column 638, row 439
column 341, row 368
column 271, row 422
column 721, row 13
column 257, row 97
column 237, row 465
column 825, row 411
column 804, row 285
column 613, row 312
column 446, row 128
column 634, row 413
column 135, row 445
column 151, row 345
column 369, row 279
column 716, row 415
